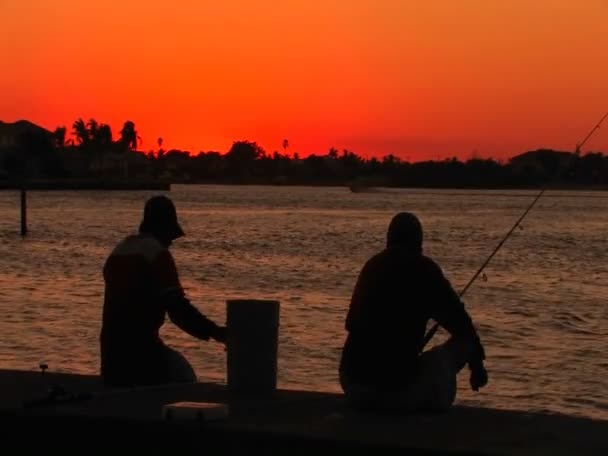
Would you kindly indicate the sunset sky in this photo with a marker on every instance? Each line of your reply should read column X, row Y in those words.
column 418, row 79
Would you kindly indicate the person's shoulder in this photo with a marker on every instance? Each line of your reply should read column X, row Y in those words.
column 377, row 258
column 429, row 265
column 146, row 246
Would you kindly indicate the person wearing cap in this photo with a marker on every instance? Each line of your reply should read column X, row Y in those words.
column 397, row 292
column 142, row 286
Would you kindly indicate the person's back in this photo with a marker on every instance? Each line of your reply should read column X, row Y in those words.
column 387, row 318
column 142, row 288
column 397, row 292
column 135, row 274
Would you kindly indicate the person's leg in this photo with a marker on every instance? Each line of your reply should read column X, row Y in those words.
column 358, row 396
column 456, row 353
column 368, row 399
column 435, row 386
column 177, row 367
column 150, row 365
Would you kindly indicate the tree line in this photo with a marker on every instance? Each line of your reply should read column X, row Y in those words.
column 246, row 162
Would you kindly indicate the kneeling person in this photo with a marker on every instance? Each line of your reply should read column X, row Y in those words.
column 142, row 287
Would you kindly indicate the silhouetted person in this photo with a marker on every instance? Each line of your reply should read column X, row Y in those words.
column 141, row 287
column 398, row 290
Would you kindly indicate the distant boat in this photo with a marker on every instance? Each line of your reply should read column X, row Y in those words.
column 367, row 184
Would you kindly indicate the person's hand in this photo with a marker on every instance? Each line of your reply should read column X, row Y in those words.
column 479, row 376
column 219, row 334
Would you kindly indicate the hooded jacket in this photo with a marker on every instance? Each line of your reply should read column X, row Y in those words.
column 397, row 292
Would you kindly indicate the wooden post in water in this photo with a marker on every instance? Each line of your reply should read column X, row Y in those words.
column 252, row 345
column 23, row 210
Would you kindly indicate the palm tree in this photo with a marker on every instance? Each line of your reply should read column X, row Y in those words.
column 129, row 136
column 95, row 144
column 80, row 131
column 103, row 139
column 161, row 152
column 93, row 127
column 128, row 139
column 104, row 135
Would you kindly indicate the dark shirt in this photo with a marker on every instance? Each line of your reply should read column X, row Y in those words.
column 142, row 287
column 396, row 294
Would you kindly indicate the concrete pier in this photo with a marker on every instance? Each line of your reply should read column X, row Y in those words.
column 288, row 422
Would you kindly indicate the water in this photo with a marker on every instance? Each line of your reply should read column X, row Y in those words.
column 542, row 312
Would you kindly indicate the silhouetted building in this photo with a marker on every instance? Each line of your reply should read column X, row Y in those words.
column 10, row 133
column 542, row 160
column 20, row 142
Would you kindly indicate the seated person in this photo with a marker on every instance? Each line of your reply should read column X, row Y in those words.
column 397, row 292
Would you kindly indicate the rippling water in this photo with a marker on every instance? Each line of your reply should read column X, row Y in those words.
column 542, row 312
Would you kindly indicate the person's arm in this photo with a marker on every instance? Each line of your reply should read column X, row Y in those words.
column 179, row 308
column 448, row 310
column 191, row 320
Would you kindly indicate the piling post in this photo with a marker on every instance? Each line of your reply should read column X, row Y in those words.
column 252, row 345
column 23, row 210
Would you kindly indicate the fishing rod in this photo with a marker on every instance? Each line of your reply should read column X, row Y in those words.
column 433, row 330
column 578, row 146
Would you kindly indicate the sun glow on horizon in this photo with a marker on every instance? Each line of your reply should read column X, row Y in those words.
column 377, row 77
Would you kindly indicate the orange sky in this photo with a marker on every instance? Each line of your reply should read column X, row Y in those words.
column 417, row 79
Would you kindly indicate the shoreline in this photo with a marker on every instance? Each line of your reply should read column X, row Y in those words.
column 166, row 185
column 373, row 188
column 87, row 184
